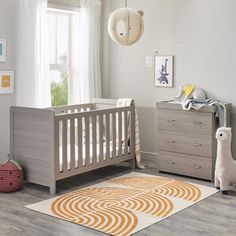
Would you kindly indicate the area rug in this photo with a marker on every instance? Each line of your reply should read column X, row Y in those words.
column 125, row 205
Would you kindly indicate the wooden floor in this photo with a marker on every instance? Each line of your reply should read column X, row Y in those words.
column 214, row 216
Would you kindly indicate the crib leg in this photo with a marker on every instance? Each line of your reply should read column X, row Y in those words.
column 53, row 188
column 132, row 163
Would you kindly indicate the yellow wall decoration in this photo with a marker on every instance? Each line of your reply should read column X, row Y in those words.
column 6, row 82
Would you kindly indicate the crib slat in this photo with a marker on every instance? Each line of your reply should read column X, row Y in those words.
column 94, row 133
column 120, row 132
column 101, row 158
column 80, row 143
column 87, row 141
column 133, row 131
column 126, row 133
column 113, row 135
column 64, row 144
column 72, row 144
column 56, row 147
column 107, row 136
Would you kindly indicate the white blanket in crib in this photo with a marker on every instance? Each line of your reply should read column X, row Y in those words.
column 125, row 102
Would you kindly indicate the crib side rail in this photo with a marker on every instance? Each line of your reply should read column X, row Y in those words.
column 73, row 108
column 89, row 140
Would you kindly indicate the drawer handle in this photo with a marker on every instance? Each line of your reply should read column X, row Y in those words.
column 170, row 120
column 171, row 141
column 196, row 167
column 171, row 162
column 197, row 122
column 197, row 145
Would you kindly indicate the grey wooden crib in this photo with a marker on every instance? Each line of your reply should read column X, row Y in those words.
column 55, row 143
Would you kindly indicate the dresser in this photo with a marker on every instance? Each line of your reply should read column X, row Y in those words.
column 186, row 140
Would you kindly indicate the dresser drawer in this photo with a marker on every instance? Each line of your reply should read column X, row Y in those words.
column 189, row 165
column 188, row 143
column 185, row 121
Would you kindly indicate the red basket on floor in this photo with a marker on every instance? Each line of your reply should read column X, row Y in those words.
column 11, row 177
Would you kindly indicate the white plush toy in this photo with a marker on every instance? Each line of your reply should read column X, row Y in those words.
column 225, row 170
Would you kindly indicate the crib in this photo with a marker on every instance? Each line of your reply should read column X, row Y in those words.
column 56, row 143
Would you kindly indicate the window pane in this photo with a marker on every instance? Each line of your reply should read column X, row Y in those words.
column 62, row 38
column 59, row 87
column 52, row 37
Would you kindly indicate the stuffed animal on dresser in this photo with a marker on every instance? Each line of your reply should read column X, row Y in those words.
column 189, row 91
column 225, row 170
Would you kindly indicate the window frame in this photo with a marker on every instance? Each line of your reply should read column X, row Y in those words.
column 57, row 66
column 68, row 5
column 67, row 67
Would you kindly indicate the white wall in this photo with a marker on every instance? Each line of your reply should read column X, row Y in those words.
column 201, row 34
column 8, row 30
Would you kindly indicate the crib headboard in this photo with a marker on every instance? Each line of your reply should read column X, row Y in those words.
column 31, row 141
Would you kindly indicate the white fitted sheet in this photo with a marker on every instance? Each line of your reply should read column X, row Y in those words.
column 92, row 159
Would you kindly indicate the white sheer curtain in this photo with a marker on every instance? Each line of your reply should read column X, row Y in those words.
column 86, row 78
column 33, row 84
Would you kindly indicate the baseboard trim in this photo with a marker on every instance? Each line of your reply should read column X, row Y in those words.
column 148, row 156
column 149, row 153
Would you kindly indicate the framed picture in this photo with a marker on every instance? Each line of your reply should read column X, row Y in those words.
column 6, row 82
column 164, row 71
column 2, row 50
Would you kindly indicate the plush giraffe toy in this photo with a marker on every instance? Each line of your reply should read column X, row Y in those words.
column 225, row 171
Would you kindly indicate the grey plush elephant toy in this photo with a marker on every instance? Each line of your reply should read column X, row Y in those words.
column 189, row 91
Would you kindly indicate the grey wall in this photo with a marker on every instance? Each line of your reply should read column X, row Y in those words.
column 8, row 30
column 201, row 34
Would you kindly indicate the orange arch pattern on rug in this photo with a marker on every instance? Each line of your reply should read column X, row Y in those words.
column 112, row 209
column 161, row 185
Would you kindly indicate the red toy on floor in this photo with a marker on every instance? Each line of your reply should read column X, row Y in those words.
column 11, row 177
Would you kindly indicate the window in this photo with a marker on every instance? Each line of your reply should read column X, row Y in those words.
column 59, row 55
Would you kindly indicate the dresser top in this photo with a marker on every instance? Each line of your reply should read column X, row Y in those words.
column 175, row 105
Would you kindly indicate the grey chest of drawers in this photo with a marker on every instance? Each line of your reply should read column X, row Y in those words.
column 186, row 140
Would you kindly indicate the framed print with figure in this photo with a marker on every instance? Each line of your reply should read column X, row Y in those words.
column 164, row 71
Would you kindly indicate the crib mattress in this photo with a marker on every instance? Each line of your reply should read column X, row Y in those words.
column 92, row 158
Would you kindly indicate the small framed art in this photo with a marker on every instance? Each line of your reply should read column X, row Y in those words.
column 2, row 50
column 6, row 82
column 164, row 71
